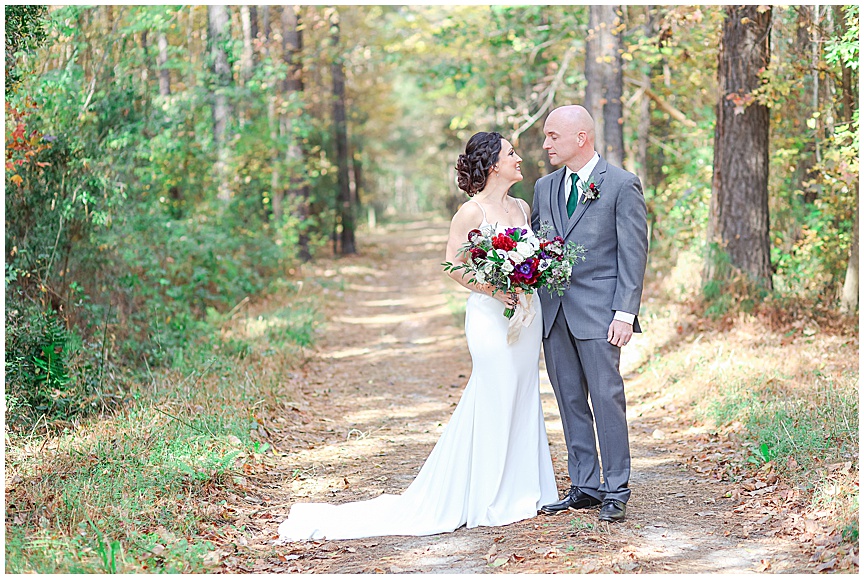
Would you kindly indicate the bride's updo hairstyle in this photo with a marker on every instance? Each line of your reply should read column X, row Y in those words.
column 472, row 168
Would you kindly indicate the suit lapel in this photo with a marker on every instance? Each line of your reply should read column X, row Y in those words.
column 554, row 202
column 599, row 173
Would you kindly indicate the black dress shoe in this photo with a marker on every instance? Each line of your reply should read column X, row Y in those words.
column 575, row 499
column 613, row 511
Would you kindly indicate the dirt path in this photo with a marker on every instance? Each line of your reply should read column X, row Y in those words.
column 390, row 366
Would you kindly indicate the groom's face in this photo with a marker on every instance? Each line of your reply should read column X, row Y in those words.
column 562, row 141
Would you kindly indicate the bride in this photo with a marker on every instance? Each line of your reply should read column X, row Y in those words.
column 491, row 465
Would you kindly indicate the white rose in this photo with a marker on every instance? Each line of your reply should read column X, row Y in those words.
column 524, row 249
column 507, row 267
column 489, row 268
column 479, row 277
column 501, row 253
column 515, row 257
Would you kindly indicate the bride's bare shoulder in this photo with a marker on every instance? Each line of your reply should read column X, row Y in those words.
column 469, row 211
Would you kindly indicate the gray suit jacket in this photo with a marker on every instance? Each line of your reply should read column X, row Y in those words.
column 614, row 231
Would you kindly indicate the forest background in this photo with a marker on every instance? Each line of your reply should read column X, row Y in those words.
column 165, row 165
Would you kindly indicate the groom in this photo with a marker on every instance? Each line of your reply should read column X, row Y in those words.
column 595, row 204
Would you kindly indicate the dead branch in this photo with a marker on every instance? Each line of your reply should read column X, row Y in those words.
column 553, row 87
column 673, row 112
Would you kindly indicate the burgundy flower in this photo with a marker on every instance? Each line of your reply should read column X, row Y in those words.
column 473, row 234
column 526, row 272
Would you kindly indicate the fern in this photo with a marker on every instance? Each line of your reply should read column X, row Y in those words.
column 50, row 367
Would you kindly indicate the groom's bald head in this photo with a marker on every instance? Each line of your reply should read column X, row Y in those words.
column 574, row 117
column 569, row 136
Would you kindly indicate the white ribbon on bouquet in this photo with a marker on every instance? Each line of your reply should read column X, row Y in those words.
column 522, row 317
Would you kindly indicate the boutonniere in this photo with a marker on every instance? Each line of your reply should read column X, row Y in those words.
column 590, row 190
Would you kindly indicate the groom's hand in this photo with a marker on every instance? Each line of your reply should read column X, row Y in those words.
column 619, row 333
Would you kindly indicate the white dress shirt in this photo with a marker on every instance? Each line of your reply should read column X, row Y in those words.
column 584, row 173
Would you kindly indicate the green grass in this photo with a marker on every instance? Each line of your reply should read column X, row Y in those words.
column 133, row 491
column 821, row 426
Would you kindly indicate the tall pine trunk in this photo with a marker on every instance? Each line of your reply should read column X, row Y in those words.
column 605, row 81
column 219, row 36
column 738, row 220
column 345, row 208
column 849, row 294
column 295, row 158
column 247, row 56
column 162, row 61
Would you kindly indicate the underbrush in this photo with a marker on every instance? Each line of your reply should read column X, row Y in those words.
column 773, row 397
column 145, row 487
column 797, row 426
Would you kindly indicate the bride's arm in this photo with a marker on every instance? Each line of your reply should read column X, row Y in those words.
column 467, row 218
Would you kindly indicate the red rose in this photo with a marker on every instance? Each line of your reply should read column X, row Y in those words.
column 501, row 241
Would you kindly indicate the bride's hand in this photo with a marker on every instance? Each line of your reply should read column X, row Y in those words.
column 509, row 299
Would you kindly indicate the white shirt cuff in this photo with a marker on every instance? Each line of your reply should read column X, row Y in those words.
column 625, row 317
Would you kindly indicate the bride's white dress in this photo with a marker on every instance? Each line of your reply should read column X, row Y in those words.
column 491, row 465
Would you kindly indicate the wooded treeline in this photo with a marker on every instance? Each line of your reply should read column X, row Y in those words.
column 165, row 162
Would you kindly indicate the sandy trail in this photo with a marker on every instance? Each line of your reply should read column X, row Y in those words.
column 390, row 366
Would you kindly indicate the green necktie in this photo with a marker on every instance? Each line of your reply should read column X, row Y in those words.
column 574, row 196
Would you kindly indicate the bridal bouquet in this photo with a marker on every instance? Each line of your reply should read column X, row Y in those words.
column 516, row 260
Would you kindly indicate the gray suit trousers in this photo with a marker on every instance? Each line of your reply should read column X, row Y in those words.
column 581, row 370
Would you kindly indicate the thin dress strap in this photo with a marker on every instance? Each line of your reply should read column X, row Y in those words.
column 481, row 209
column 523, row 212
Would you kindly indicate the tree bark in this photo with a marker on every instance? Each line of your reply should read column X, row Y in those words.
column 161, row 61
column 292, row 44
column 849, row 295
column 253, row 29
column 218, row 36
column 344, row 206
column 248, row 55
column 738, row 227
column 265, row 28
column 295, row 157
column 605, row 81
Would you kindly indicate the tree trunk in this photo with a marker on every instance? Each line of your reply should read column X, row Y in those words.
column 276, row 195
column 738, row 220
column 849, row 296
column 218, row 36
column 248, row 54
column 295, row 156
column 605, row 81
column 643, row 127
column 145, row 48
column 161, row 61
column 344, row 207
column 253, row 29
column 292, row 44
column 265, row 28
